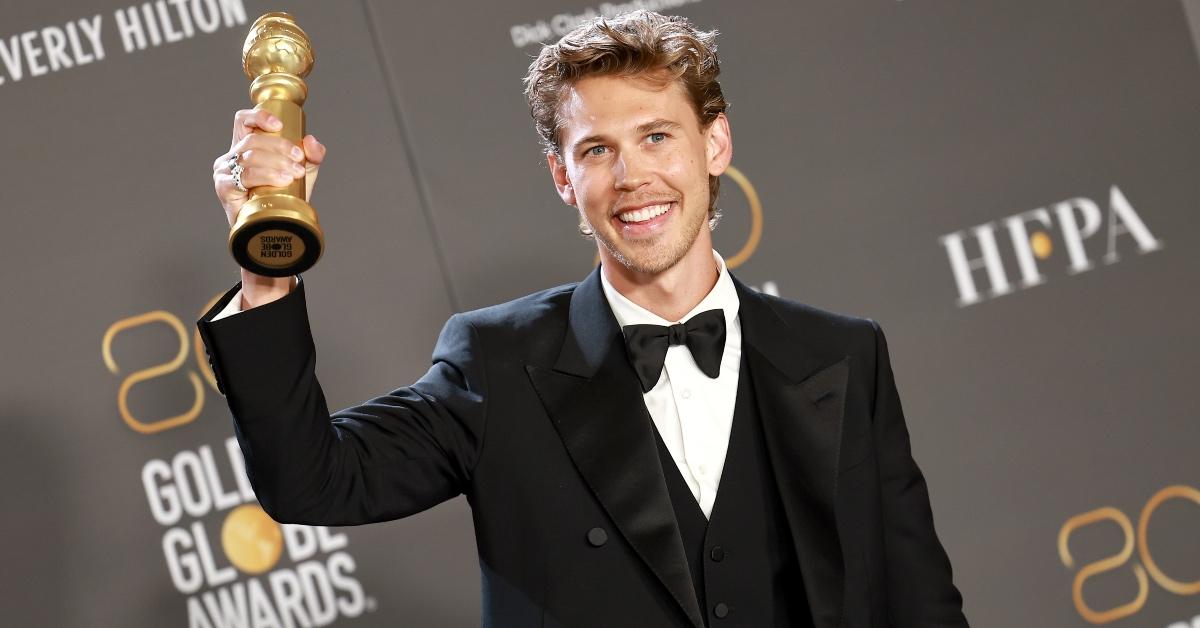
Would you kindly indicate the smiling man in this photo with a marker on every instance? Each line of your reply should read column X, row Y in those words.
column 657, row 445
column 630, row 151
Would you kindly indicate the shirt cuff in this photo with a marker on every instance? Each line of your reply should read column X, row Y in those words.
column 235, row 304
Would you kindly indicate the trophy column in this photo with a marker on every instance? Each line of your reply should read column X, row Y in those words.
column 276, row 233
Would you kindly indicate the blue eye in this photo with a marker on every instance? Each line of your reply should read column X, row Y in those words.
column 658, row 137
column 593, row 151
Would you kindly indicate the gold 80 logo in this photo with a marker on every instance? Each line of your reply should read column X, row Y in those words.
column 201, row 370
column 1145, row 563
column 756, row 216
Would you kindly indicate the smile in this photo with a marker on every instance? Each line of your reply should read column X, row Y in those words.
column 644, row 214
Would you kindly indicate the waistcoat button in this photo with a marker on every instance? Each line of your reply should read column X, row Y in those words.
column 597, row 537
column 717, row 554
column 721, row 610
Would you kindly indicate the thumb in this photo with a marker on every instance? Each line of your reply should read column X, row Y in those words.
column 314, row 154
column 314, row 151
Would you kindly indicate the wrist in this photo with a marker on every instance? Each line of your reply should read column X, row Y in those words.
column 259, row 290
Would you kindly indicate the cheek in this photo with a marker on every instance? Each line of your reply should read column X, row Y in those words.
column 686, row 171
column 590, row 190
column 688, row 160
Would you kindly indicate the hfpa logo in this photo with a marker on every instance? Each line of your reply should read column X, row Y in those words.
column 1077, row 220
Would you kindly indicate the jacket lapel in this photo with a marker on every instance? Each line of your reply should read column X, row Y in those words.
column 801, row 399
column 594, row 400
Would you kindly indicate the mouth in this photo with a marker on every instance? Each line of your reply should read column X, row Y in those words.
column 645, row 219
column 644, row 213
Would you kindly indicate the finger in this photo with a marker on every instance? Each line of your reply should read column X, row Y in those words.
column 247, row 121
column 263, row 153
column 314, row 151
column 269, row 144
column 222, row 162
column 226, row 189
column 269, row 160
column 254, row 177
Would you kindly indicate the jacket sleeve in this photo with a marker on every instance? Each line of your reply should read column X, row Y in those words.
column 389, row 457
column 921, row 591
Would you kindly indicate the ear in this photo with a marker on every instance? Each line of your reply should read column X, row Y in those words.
column 558, row 171
column 718, row 145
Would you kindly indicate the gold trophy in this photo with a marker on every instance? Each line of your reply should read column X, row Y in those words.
column 276, row 233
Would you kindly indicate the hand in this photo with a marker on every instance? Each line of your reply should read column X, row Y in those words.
column 265, row 160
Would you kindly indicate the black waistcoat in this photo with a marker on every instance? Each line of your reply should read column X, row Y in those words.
column 743, row 562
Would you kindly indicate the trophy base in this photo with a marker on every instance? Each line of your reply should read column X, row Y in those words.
column 276, row 236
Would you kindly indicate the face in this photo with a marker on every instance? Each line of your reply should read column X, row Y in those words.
column 635, row 162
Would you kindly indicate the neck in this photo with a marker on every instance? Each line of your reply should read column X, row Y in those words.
column 672, row 293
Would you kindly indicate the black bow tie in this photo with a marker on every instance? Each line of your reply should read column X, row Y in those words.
column 704, row 335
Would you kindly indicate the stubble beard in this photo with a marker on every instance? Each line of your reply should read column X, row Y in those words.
column 654, row 255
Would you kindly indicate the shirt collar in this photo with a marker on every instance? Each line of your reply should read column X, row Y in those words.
column 723, row 296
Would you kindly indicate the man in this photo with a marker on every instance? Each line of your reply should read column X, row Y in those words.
column 657, row 445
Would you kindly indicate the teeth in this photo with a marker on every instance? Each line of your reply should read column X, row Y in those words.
column 645, row 213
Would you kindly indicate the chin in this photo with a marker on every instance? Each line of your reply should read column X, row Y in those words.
column 649, row 259
column 656, row 255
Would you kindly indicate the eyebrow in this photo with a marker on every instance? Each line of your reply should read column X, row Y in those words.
column 657, row 124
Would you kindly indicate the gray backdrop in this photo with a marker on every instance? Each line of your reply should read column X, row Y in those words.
column 877, row 135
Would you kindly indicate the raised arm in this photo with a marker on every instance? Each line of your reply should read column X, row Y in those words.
column 390, row 457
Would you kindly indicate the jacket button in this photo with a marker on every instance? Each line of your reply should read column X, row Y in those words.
column 597, row 537
column 721, row 610
column 717, row 554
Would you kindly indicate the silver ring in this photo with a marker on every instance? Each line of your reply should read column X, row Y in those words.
column 236, row 170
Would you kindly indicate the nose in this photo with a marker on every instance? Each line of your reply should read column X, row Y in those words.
column 630, row 171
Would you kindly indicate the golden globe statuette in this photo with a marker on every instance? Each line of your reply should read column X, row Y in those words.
column 276, row 233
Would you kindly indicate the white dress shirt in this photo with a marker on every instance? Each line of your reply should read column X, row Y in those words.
column 692, row 411
column 235, row 304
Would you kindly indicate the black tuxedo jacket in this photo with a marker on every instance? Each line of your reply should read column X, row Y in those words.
column 532, row 411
